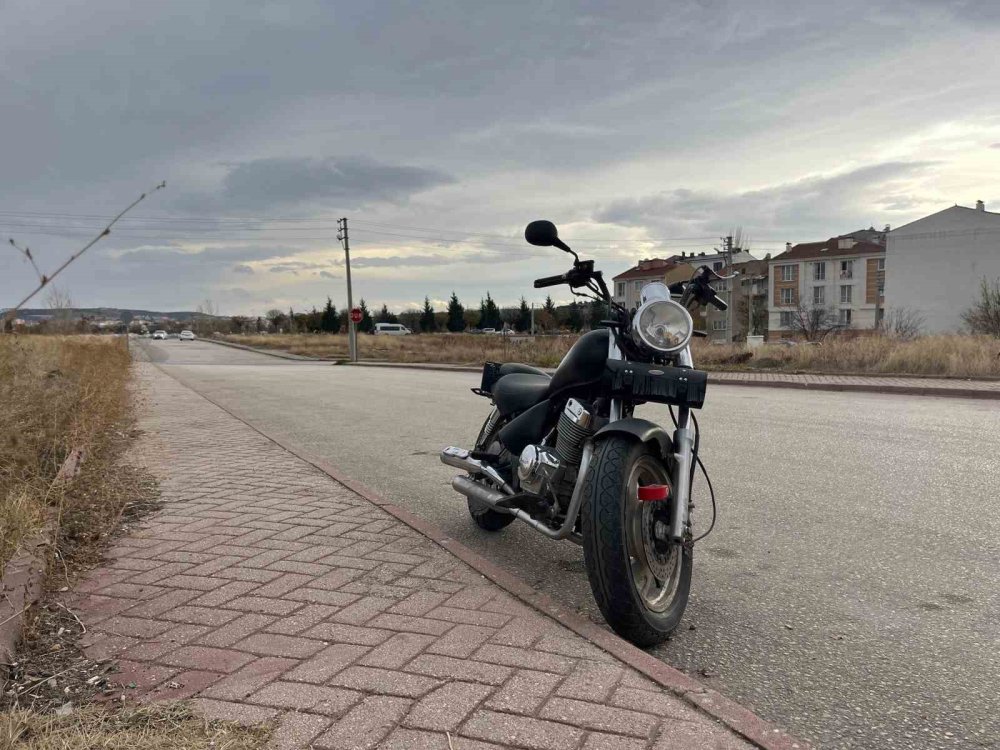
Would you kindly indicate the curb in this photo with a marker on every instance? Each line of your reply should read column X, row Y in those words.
column 268, row 352
column 728, row 712
column 20, row 588
column 897, row 390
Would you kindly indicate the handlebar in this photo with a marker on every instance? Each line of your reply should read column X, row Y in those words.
column 550, row 281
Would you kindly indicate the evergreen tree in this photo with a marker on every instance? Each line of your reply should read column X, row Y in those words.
column 489, row 314
column 456, row 314
column 367, row 325
column 330, row 321
column 550, row 306
column 427, row 322
column 523, row 322
column 575, row 318
column 384, row 316
column 598, row 312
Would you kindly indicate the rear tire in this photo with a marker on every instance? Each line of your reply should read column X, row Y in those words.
column 485, row 517
column 624, row 562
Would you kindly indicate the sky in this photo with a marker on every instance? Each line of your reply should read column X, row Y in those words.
column 440, row 128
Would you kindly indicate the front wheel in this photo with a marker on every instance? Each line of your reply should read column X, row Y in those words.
column 641, row 584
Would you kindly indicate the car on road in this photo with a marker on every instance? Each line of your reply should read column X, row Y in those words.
column 187, row 336
column 160, row 335
column 391, row 329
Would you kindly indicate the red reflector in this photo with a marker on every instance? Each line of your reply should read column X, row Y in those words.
column 653, row 492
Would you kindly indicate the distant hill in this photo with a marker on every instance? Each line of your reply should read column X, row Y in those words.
column 113, row 313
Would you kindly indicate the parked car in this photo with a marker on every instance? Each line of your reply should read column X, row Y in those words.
column 489, row 331
column 187, row 336
column 391, row 329
column 160, row 335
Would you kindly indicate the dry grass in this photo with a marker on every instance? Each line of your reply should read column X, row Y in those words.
column 949, row 356
column 170, row 726
column 56, row 393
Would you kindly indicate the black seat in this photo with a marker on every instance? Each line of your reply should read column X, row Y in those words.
column 519, row 391
column 516, row 367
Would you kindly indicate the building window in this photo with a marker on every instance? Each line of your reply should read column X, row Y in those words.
column 621, row 289
column 638, row 287
column 845, row 318
column 717, row 265
column 881, row 289
column 819, row 271
column 719, row 325
column 880, row 264
column 845, row 294
column 819, row 295
column 847, row 269
column 786, row 320
column 787, row 273
column 787, row 296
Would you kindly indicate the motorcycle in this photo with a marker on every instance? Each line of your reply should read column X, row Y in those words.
column 566, row 454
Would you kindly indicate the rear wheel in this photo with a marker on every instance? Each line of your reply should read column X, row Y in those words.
column 485, row 517
column 641, row 583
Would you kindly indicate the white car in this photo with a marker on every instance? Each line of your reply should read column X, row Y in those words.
column 187, row 336
column 160, row 335
column 391, row 329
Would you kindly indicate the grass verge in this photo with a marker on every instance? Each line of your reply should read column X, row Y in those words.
column 945, row 356
column 149, row 727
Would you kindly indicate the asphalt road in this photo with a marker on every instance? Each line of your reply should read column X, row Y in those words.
column 849, row 591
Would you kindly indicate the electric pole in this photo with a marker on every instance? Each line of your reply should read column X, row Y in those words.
column 727, row 243
column 352, row 332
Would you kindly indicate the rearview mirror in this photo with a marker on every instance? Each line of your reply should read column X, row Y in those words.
column 544, row 234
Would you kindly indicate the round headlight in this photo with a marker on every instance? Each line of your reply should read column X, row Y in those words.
column 662, row 324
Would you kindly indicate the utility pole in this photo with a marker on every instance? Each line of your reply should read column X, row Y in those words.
column 352, row 331
column 727, row 243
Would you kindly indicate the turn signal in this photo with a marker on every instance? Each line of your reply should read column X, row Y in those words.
column 653, row 493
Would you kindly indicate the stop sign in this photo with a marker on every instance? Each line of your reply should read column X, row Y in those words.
column 356, row 315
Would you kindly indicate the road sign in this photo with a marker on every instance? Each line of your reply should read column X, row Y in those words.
column 356, row 315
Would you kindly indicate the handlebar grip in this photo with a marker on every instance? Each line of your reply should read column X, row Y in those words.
column 550, row 281
column 718, row 302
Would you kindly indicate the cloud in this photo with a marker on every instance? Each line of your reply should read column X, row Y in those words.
column 328, row 275
column 242, row 268
column 798, row 205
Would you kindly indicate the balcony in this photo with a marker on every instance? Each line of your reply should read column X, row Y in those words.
column 847, row 275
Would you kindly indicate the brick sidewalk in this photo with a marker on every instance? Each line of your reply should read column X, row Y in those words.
column 267, row 590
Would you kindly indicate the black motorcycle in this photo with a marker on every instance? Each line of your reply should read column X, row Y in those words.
column 566, row 455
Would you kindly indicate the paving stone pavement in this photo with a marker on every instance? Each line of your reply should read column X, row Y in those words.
column 265, row 590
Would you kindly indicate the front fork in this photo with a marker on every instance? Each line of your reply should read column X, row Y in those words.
column 683, row 447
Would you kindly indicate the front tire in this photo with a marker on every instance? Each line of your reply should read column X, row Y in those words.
column 641, row 584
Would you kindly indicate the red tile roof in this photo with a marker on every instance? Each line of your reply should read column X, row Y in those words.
column 828, row 249
column 647, row 269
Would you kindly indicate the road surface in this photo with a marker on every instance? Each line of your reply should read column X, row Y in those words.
column 849, row 591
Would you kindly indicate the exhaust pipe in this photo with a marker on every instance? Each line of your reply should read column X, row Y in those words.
column 460, row 459
column 476, row 491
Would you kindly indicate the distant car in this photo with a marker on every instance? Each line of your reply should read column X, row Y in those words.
column 489, row 331
column 391, row 329
column 160, row 335
column 187, row 336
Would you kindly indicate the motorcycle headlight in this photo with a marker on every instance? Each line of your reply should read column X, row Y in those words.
column 662, row 324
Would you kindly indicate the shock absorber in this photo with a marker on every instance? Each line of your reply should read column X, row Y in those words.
column 575, row 426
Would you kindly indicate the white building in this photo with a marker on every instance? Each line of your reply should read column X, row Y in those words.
column 936, row 264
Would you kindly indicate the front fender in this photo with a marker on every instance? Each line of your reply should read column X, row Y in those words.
column 642, row 430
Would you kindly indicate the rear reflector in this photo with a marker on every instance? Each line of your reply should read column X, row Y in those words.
column 654, row 492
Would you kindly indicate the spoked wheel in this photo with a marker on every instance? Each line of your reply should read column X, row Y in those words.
column 641, row 583
column 485, row 517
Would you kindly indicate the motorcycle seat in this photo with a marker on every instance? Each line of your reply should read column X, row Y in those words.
column 519, row 391
column 510, row 368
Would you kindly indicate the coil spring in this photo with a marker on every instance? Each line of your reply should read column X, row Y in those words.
column 570, row 438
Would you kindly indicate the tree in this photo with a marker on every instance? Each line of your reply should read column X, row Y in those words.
column 815, row 322
column 456, row 314
column 489, row 313
column 276, row 317
column 902, row 323
column 61, row 305
column 384, row 316
column 984, row 315
column 598, row 312
column 523, row 322
column 329, row 322
column 367, row 325
column 550, row 306
column 427, row 322
column 575, row 318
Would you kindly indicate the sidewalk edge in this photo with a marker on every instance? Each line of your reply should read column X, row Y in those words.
column 733, row 715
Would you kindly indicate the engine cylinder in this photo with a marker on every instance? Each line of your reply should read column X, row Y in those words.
column 572, row 432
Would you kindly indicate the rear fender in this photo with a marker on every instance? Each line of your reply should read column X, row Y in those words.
column 641, row 430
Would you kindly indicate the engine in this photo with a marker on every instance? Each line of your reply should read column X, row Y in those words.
column 546, row 470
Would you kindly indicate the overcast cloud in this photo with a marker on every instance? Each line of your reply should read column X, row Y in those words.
column 441, row 128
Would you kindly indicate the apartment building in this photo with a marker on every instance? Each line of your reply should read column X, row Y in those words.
column 842, row 279
column 628, row 285
column 938, row 262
